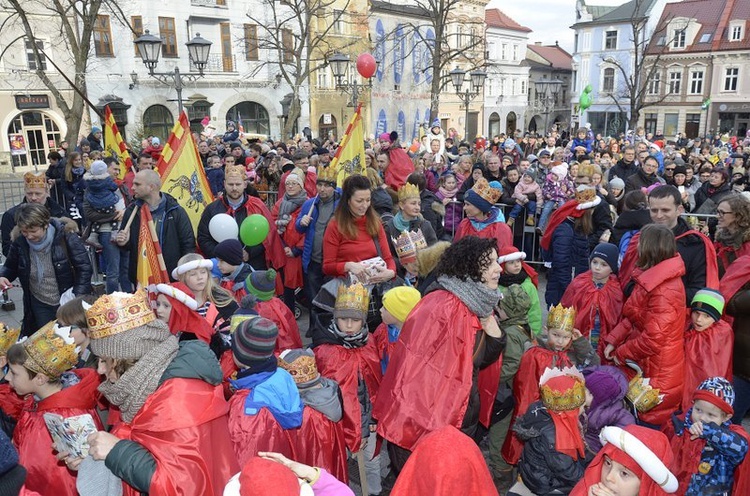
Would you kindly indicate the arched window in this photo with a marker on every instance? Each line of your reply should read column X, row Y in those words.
column 494, row 124
column 253, row 116
column 32, row 136
column 608, row 80
column 158, row 121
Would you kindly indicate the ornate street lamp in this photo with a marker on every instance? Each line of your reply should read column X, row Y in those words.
column 477, row 79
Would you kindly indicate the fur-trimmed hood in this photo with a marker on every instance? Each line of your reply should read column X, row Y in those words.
column 438, row 208
column 428, row 258
column 88, row 176
column 735, row 240
column 68, row 224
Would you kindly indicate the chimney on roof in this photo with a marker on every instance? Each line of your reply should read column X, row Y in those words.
column 557, row 44
column 538, row 43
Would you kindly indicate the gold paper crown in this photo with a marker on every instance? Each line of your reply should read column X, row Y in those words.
column 31, row 180
column 239, row 318
column 235, row 170
column 327, row 174
column 483, row 189
column 585, row 194
column 303, row 369
column 561, row 318
column 586, row 169
column 560, row 400
column 641, row 394
column 117, row 312
column 51, row 351
column 8, row 337
column 408, row 191
column 408, row 244
column 354, row 297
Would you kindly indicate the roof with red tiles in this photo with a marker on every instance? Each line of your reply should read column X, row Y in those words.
column 496, row 19
column 556, row 56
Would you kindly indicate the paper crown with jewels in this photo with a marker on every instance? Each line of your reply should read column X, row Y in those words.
column 235, row 170
column 408, row 244
column 351, row 301
column 31, row 180
column 117, row 312
column 561, row 318
column 327, row 174
column 301, row 366
column 8, row 337
column 562, row 389
column 585, row 194
column 408, row 191
column 483, row 189
column 640, row 392
column 51, row 350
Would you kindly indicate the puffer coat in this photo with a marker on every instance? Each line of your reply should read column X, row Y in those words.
column 651, row 333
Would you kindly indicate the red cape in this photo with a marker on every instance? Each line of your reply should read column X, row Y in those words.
column 275, row 256
column 736, row 276
column 627, row 266
column 526, row 390
column 277, row 312
column 45, row 474
column 588, row 300
column 569, row 209
column 687, row 455
column 345, row 366
column 398, row 169
column 724, row 254
column 320, row 443
column 184, row 426
column 498, row 231
column 292, row 239
column 707, row 354
column 446, row 461
column 10, row 403
column 429, row 377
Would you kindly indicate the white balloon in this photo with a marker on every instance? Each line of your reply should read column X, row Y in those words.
column 222, row 227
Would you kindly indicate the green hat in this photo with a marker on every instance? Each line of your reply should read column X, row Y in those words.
column 516, row 304
column 261, row 284
column 709, row 301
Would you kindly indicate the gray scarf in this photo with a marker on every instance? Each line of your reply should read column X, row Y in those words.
column 41, row 249
column 480, row 299
column 141, row 380
column 288, row 205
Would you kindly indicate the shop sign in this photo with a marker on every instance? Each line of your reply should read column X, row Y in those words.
column 27, row 102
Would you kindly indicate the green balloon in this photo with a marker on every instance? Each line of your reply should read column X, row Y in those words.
column 585, row 101
column 588, row 89
column 254, row 230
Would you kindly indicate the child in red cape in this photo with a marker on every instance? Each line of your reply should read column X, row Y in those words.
column 483, row 218
column 11, row 404
column 399, row 166
column 709, row 342
column 260, row 285
column 597, row 296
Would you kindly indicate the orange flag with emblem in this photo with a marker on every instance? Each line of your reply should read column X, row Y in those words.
column 151, row 269
column 114, row 146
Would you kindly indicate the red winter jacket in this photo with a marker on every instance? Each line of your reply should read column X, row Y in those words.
column 651, row 333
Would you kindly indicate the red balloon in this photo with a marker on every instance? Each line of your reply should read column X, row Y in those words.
column 366, row 65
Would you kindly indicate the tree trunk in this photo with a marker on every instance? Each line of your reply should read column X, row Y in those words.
column 295, row 110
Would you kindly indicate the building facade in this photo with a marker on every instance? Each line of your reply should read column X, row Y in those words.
column 506, row 87
column 604, row 50
column 701, row 83
column 548, row 63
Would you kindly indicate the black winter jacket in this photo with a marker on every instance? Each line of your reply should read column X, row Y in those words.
column 175, row 235
column 623, row 170
column 640, row 180
column 9, row 221
column 542, row 469
column 69, row 258
column 431, row 211
column 706, row 192
column 692, row 249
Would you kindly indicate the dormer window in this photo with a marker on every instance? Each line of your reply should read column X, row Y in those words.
column 736, row 30
column 678, row 40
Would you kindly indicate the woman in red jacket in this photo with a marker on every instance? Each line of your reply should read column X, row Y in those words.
column 653, row 321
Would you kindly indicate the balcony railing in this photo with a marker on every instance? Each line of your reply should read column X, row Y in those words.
column 218, row 63
column 208, row 3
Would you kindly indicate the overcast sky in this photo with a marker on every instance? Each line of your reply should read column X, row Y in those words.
column 550, row 20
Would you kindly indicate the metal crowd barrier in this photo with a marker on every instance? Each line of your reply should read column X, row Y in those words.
column 11, row 193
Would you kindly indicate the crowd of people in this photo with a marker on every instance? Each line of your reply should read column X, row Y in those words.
column 428, row 335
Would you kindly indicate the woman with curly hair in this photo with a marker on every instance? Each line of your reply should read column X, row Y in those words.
column 433, row 378
column 733, row 230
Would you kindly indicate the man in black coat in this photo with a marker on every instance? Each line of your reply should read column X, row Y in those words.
column 645, row 176
column 173, row 228
column 626, row 166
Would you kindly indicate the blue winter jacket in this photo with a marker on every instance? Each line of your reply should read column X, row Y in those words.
column 568, row 252
column 309, row 231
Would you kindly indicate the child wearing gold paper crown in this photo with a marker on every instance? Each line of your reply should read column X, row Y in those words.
column 408, row 219
column 407, row 245
column 11, row 403
column 483, row 218
column 709, row 450
column 564, row 346
column 41, row 366
column 553, row 422
column 347, row 354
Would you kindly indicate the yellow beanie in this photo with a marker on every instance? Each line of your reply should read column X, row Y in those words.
column 400, row 301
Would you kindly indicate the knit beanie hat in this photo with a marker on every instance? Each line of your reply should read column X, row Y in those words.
column 261, row 284
column 254, row 341
column 680, row 169
column 607, row 252
column 515, row 302
column 709, row 301
column 618, row 183
column 606, row 384
column 531, row 174
column 98, row 168
column 300, row 363
column 295, row 177
column 717, row 391
column 561, row 171
column 400, row 301
column 229, row 250
column 509, row 143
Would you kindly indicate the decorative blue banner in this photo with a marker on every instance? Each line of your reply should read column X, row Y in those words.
column 399, row 49
column 427, row 55
column 381, row 126
column 379, row 49
column 401, row 125
column 417, row 125
column 417, row 47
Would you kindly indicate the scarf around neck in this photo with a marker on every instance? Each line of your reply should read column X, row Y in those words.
column 402, row 224
column 349, row 341
column 448, row 193
column 480, row 299
column 40, row 249
column 288, row 205
column 495, row 217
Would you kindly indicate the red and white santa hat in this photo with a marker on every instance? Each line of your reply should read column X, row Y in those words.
column 510, row 253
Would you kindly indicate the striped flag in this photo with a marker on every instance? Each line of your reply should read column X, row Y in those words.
column 350, row 155
column 114, row 146
column 151, row 269
column 182, row 171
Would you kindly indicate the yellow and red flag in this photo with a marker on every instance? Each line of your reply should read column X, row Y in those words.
column 182, row 174
column 350, row 155
column 114, row 146
column 151, row 269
